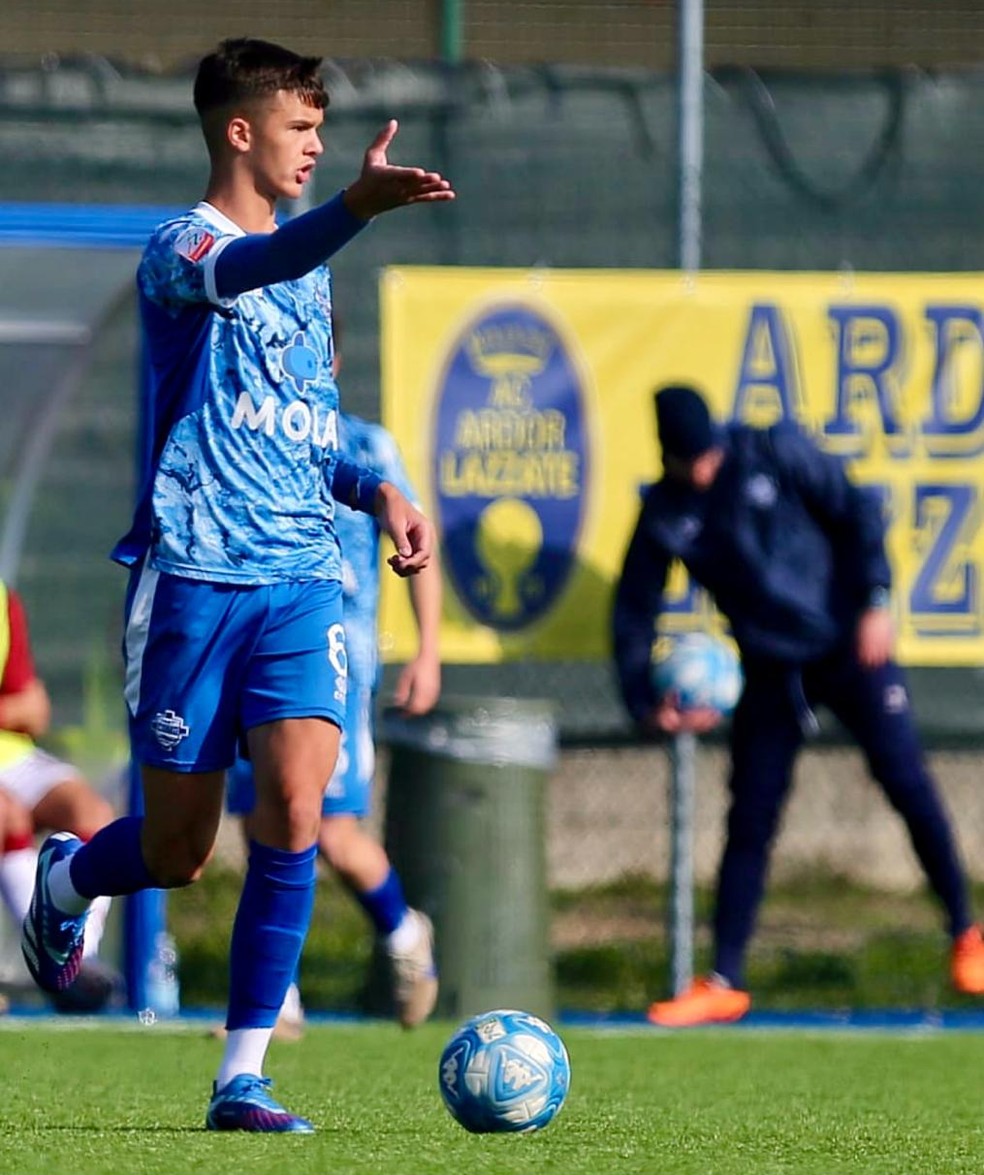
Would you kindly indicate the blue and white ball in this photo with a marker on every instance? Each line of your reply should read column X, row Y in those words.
column 703, row 672
column 504, row 1071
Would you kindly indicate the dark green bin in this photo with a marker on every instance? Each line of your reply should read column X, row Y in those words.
column 466, row 830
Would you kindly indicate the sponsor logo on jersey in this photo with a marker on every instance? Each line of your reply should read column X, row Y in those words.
column 300, row 362
column 510, row 465
column 298, row 420
column 194, row 243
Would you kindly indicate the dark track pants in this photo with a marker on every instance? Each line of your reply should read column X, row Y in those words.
column 767, row 733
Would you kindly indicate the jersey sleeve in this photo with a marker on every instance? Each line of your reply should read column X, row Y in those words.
column 178, row 265
column 387, row 462
column 18, row 673
column 298, row 247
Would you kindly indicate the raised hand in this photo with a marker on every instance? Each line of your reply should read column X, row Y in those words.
column 382, row 185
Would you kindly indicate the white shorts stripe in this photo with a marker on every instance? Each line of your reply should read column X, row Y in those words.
column 137, row 630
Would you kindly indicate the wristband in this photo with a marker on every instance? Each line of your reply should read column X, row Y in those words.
column 354, row 486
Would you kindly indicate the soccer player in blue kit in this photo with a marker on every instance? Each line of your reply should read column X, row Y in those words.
column 233, row 612
column 358, row 859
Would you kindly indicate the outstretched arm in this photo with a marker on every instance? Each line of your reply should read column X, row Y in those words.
column 300, row 245
column 297, row 247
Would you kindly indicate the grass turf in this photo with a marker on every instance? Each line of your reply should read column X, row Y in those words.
column 106, row 1101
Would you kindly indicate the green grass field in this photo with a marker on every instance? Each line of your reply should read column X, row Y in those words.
column 107, row 1101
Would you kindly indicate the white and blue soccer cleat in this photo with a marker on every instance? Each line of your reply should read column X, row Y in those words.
column 244, row 1103
column 52, row 941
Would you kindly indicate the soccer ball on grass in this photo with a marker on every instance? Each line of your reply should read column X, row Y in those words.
column 504, row 1071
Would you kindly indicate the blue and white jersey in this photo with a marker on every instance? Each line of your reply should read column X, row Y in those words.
column 369, row 445
column 242, row 428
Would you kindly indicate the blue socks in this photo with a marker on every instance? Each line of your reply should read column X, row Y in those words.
column 385, row 904
column 271, row 922
column 112, row 862
column 270, row 928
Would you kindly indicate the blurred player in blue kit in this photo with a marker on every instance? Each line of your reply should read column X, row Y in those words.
column 794, row 555
column 234, row 607
column 357, row 857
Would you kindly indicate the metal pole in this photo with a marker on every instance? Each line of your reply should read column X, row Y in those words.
column 683, row 754
column 452, row 30
column 690, row 69
column 683, row 780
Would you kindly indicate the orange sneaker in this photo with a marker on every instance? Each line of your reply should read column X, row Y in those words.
column 706, row 1001
column 967, row 962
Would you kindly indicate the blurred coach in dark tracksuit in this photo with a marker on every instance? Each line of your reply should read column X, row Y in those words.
column 794, row 555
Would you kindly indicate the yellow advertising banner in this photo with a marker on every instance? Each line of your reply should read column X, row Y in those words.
column 522, row 402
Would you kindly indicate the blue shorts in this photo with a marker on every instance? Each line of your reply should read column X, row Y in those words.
column 205, row 662
column 349, row 791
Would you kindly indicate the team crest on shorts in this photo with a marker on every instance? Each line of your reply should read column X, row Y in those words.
column 169, row 729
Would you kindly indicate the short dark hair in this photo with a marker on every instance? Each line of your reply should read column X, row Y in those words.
column 243, row 68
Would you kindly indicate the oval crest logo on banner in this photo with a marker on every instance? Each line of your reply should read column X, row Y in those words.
column 510, row 465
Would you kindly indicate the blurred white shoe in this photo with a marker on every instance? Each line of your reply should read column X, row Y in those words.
column 414, row 973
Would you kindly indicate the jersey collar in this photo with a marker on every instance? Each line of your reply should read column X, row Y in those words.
column 219, row 219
